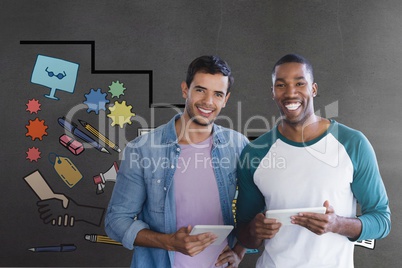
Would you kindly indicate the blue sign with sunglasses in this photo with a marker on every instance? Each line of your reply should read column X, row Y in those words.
column 57, row 74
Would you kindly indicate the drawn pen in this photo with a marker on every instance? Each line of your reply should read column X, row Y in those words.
column 61, row 248
column 99, row 135
column 71, row 127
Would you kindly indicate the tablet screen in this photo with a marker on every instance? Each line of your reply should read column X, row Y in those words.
column 221, row 231
column 283, row 215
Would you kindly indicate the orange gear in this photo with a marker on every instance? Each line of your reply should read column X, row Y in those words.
column 36, row 129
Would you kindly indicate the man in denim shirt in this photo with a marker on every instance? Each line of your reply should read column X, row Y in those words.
column 181, row 174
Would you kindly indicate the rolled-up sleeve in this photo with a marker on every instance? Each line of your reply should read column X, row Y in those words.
column 129, row 193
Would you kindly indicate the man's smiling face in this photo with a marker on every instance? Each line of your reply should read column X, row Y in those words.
column 293, row 91
column 205, row 97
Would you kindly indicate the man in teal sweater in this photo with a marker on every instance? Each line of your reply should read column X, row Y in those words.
column 308, row 161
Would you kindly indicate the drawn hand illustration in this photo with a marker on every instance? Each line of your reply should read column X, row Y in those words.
column 38, row 184
column 53, row 211
column 59, row 209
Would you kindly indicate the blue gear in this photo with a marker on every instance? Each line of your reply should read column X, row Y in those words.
column 96, row 101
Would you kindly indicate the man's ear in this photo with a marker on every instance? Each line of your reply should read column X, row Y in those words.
column 184, row 89
column 226, row 100
column 315, row 89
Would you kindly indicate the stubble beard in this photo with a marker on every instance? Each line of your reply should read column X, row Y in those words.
column 194, row 118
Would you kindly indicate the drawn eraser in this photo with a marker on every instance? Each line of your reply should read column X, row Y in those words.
column 71, row 144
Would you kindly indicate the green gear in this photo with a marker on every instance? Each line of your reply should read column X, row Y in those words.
column 116, row 89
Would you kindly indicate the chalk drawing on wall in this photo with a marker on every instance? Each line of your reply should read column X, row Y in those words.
column 109, row 176
column 33, row 154
column 120, row 113
column 33, row 106
column 76, row 137
column 56, row 74
column 59, row 209
column 102, row 239
column 116, row 89
column 36, row 129
column 74, row 130
column 95, row 132
column 96, row 100
column 71, row 144
column 57, row 248
column 66, row 169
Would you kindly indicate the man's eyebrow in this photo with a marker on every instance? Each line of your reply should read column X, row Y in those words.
column 296, row 78
column 216, row 91
column 279, row 79
column 221, row 92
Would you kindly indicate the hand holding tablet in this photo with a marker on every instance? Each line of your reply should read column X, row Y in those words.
column 283, row 215
column 221, row 231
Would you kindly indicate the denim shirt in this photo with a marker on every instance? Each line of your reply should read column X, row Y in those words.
column 143, row 195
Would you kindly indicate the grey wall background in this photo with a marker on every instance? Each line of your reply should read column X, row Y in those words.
column 355, row 47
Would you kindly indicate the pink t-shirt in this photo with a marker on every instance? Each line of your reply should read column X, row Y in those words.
column 197, row 199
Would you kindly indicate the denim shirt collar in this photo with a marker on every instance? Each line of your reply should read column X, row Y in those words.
column 169, row 134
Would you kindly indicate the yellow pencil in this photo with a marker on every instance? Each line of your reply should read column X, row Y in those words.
column 95, row 238
column 99, row 135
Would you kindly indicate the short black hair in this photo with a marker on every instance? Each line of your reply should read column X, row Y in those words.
column 209, row 65
column 294, row 58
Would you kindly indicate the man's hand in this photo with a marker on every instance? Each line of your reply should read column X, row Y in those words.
column 264, row 228
column 191, row 245
column 232, row 257
column 253, row 233
column 318, row 223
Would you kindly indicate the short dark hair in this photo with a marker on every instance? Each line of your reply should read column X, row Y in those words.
column 294, row 58
column 209, row 65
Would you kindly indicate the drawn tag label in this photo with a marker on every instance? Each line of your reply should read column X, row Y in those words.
column 67, row 171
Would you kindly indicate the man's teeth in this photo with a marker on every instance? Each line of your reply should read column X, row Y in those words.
column 292, row 106
column 205, row 111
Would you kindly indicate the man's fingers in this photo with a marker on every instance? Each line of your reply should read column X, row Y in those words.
column 203, row 238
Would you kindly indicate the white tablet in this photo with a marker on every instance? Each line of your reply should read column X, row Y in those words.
column 283, row 215
column 221, row 231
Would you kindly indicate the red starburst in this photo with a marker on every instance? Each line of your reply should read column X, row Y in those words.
column 33, row 106
column 33, row 154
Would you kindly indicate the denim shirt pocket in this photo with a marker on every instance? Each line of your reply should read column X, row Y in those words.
column 156, row 194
